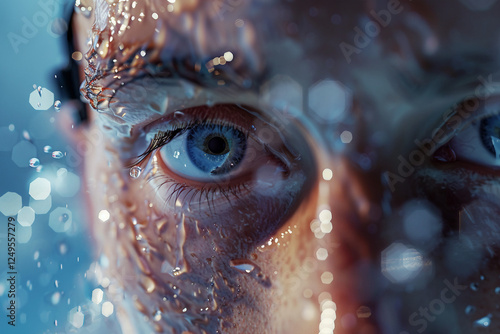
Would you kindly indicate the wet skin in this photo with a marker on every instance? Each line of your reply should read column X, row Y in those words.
column 244, row 251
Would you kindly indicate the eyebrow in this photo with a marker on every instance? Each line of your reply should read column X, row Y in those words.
column 207, row 72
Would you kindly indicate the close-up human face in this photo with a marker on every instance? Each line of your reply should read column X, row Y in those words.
column 294, row 166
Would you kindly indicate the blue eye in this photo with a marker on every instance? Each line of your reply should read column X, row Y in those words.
column 205, row 151
column 490, row 134
column 479, row 142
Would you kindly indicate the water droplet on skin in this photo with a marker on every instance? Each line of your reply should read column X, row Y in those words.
column 497, row 290
column 484, row 321
column 47, row 149
column 57, row 105
column 247, row 267
column 244, row 267
column 39, row 168
column 181, row 266
column 178, row 113
column 26, row 135
column 474, row 286
column 39, row 89
column 57, row 154
column 135, row 172
column 34, row 162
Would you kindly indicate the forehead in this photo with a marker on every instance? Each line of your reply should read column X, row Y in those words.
column 267, row 32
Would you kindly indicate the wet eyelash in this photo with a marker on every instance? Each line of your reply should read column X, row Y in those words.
column 176, row 190
column 162, row 138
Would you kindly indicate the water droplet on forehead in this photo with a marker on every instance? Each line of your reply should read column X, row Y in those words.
column 57, row 154
column 34, row 162
column 39, row 89
column 57, row 105
column 47, row 149
column 135, row 172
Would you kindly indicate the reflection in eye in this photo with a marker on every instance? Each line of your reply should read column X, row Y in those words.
column 205, row 150
column 479, row 142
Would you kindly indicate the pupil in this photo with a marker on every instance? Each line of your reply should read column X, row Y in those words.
column 216, row 145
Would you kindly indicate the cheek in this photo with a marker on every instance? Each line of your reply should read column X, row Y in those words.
column 186, row 270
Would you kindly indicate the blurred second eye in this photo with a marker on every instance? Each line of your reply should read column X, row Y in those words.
column 479, row 142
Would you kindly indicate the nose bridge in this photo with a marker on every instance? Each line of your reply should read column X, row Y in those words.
column 350, row 194
column 345, row 192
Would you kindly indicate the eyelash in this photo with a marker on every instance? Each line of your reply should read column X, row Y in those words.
column 162, row 138
column 182, row 189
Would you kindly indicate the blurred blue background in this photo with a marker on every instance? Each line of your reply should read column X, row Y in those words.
column 52, row 260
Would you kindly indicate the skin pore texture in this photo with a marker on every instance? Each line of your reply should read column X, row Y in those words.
column 395, row 242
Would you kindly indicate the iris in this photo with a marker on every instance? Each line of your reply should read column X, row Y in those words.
column 205, row 150
column 215, row 149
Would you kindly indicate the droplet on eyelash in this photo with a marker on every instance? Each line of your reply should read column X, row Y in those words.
column 178, row 113
column 135, row 172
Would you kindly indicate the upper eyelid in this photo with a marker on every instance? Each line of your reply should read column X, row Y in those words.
column 143, row 101
column 460, row 116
